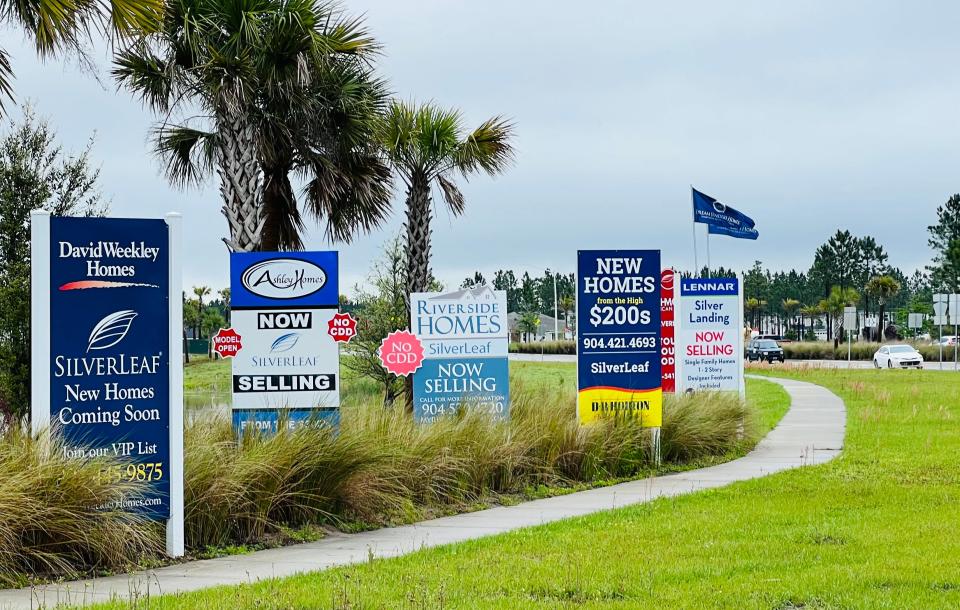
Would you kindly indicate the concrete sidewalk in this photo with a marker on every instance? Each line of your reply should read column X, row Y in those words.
column 811, row 432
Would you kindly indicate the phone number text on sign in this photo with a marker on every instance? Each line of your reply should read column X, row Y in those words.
column 619, row 342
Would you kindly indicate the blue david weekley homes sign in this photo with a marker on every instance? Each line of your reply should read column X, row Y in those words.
column 107, row 351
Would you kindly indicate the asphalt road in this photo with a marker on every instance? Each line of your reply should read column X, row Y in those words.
column 833, row 364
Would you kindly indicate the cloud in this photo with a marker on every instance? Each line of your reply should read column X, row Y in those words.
column 809, row 117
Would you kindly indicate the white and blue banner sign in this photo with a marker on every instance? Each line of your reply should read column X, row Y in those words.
column 288, row 367
column 618, row 338
column 109, row 350
column 709, row 331
column 722, row 219
column 465, row 340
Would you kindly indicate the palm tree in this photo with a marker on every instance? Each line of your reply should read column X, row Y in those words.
column 200, row 292
column 567, row 303
column 527, row 323
column 809, row 311
column 58, row 26
column 790, row 307
column 754, row 306
column 282, row 86
column 225, row 297
column 833, row 305
column 882, row 288
column 426, row 146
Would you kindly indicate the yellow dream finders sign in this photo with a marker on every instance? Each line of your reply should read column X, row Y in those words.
column 618, row 339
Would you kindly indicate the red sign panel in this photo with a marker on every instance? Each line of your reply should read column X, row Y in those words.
column 668, row 363
column 342, row 327
column 226, row 342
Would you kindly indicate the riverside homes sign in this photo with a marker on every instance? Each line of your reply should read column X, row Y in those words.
column 288, row 366
column 106, row 361
column 465, row 339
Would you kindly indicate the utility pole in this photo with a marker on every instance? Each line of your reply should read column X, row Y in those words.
column 556, row 322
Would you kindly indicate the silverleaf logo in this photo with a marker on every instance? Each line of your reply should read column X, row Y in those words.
column 111, row 329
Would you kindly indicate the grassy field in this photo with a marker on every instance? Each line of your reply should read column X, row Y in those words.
column 876, row 528
column 378, row 468
column 624, row 558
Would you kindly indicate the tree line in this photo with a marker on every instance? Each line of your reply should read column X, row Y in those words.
column 846, row 270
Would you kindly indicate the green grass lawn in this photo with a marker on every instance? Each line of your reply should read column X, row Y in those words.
column 650, row 555
column 204, row 375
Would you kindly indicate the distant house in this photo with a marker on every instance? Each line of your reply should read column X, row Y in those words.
column 544, row 330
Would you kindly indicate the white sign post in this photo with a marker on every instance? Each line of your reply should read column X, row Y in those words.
column 849, row 323
column 940, row 318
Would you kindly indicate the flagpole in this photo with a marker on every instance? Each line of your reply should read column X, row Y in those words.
column 708, row 251
column 693, row 212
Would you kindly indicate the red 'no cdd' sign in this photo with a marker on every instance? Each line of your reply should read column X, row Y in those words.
column 401, row 353
column 342, row 327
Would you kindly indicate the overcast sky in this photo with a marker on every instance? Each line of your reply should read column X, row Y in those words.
column 808, row 117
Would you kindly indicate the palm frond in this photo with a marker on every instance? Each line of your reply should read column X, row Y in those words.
column 55, row 25
column 488, row 148
column 438, row 134
column 353, row 195
column 349, row 36
column 6, row 80
column 188, row 154
column 452, row 195
column 145, row 74
column 136, row 17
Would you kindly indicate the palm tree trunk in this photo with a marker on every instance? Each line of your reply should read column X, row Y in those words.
column 239, row 181
column 880, row 337
column 281, row 218
column 419, row 215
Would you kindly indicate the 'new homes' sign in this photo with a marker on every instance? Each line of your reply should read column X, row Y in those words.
column 107, row 376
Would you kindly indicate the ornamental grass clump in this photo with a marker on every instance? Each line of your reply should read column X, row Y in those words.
column 697, row 426
column 51, row 520
column 381, row 467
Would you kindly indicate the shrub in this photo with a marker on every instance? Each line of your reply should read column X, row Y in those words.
column 379, row 468
column 49, row 521
column 823, row 350
column 544, row 347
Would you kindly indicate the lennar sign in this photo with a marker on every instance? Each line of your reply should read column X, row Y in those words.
column 710, row 335
column 106, row 352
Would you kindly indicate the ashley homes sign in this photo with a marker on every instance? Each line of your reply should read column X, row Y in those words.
column 287, row 368
column 107, row 376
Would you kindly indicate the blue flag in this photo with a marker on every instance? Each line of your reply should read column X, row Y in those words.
column 722, row 219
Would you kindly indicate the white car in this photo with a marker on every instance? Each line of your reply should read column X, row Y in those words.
column 897, row 356
column 947, row 340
